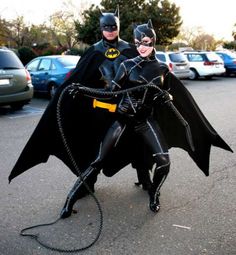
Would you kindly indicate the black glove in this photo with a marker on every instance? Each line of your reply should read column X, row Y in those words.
column 74, row 89
column 163, row 98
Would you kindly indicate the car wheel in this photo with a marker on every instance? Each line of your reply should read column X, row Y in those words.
column 227, row 73
column 17, row 106
column 194, row 74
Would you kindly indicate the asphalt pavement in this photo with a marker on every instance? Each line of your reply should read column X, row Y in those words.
column 197, row 216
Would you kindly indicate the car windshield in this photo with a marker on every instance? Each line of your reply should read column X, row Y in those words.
column 177, row 57
column 69, row 60
column 8, row 60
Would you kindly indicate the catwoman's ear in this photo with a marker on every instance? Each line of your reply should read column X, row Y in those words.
column 117, row 12
column 134, row 25
column 150, row 23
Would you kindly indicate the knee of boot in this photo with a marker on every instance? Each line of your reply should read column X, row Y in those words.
column 162, row 161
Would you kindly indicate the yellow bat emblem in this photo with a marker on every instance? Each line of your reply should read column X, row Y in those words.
column 112, row 53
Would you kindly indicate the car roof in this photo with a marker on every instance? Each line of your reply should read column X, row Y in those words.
column 57, row 56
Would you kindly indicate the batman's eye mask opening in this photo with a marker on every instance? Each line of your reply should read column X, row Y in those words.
column 109, row 28
column 146, row 41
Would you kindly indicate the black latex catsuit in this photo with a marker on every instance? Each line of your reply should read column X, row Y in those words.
column 135, row 111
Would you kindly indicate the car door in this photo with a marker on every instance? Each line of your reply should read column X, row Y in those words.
column 42, row 75
column 32, row 67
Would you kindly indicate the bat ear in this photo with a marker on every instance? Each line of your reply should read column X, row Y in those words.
column 117, row 12
column 150, row 23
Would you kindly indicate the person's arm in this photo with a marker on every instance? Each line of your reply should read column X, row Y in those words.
column 119, row 79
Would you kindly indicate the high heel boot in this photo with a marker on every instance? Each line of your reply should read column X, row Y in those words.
column 159, row 177
column 89, row 173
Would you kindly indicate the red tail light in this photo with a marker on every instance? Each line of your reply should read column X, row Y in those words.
column 68, row 74
column 28, row 77
column 208, row 63
column 171, row 66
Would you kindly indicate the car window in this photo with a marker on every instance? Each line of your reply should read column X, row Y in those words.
column 53, row 67
column 69, row 60
column 161, row 57
column 195, row 57
column 176, row 57
column 33, row 65
column 9, row 59
column 213, row 57
column 45, row 65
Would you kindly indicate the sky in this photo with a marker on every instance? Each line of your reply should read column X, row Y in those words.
column 215, row 17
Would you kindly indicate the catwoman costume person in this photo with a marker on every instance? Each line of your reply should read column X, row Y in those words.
column 134, row 112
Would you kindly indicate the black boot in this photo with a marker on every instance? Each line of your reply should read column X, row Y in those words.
column 88, row 175
column 159, row 177
column 144, row 178
column 154, row 203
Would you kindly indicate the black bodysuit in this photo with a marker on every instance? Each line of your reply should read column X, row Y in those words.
column 135, row 111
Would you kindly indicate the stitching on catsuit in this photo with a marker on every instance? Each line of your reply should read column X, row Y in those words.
column 116, row 84
column 120, row 135
column 149, row 124
column 136, row 64
column 131, row 103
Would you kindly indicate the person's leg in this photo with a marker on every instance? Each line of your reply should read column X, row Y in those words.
column 93, row 170
column 153, row 137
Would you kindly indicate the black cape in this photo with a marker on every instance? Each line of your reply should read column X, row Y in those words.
column 85, row 126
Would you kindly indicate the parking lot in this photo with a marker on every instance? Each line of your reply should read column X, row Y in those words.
column 197, row 215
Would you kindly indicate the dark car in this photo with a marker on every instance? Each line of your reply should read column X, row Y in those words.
column 16, row 89
column 49, row 72
column 229, row 59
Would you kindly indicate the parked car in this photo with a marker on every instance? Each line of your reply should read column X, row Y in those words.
column 229, row 59
column 177, row 63
column 49, row 72
column 16, row 88
column 204, row 64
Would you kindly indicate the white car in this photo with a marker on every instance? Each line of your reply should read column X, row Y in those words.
column 177, row 63
column 204, row 64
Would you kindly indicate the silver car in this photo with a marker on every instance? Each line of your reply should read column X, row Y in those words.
column 177, row 63
column 16, row 88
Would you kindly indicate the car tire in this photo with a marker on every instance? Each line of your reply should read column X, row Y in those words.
column 17, row 106
column 227, row 73
column 194, row 75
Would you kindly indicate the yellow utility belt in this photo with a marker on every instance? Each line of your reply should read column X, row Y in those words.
column 109, row 107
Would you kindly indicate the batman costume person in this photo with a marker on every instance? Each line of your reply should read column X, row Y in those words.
column 96, row 69
column 138, row 111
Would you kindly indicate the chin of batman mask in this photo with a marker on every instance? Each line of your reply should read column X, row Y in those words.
column 145, row 30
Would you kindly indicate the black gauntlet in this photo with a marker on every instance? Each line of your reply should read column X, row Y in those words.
column 163, row 98
column 74, row 89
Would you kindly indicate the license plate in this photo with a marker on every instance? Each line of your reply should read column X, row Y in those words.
column 4, row 82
